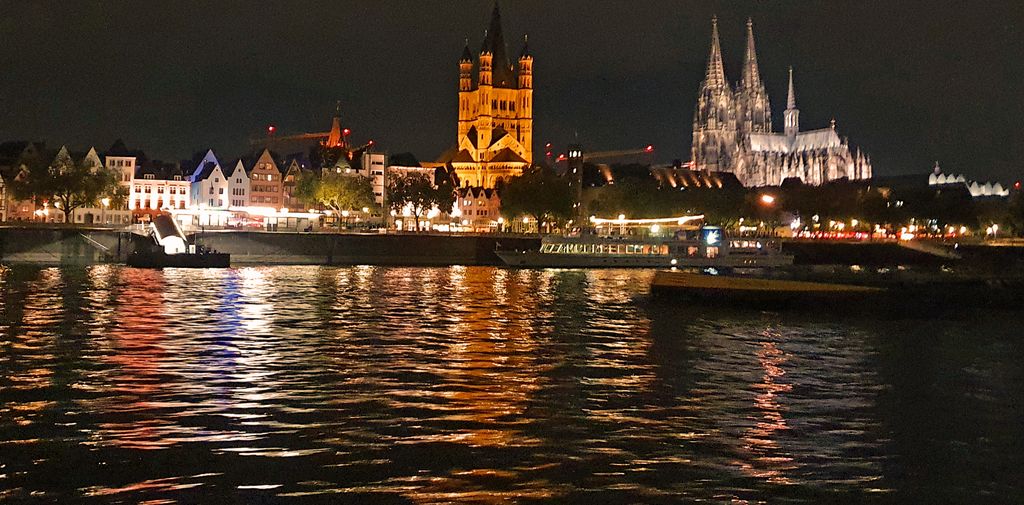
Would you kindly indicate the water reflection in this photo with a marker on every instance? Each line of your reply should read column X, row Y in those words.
column 463, row 384
column 764, row 458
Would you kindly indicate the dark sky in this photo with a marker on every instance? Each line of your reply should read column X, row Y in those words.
column 910, row 81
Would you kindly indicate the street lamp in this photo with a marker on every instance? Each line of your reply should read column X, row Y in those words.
column 768, row 199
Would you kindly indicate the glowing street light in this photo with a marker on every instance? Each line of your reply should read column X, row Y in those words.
column 768, row 199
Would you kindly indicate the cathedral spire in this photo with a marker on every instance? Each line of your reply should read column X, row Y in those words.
column 751, row 73
column 715, row 75
column 791, row 101
column 792, row 114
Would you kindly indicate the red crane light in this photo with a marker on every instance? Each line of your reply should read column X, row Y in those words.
column 346, row 132
column 649, row 148
column 1016, row 185
column 271, row 129
column 561, row 157
column 370, row 143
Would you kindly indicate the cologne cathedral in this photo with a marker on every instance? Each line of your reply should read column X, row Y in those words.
column 495, row 137
column 732, row 131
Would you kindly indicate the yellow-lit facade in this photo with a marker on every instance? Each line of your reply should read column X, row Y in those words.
column 495, row 135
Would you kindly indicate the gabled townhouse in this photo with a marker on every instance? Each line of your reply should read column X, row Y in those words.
column 238, row 184
column 294, row 167
column 90, row 214
column 209, row 184
column 477, row 208
column 266, row 189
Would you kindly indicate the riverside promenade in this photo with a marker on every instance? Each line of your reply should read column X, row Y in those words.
column 55, row 245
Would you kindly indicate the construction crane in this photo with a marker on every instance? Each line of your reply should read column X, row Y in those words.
column 337, row 137
column 270, row 138
column 575, row 159
column 576, row 152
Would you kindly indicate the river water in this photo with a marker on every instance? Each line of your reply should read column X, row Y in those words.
column 484, row 385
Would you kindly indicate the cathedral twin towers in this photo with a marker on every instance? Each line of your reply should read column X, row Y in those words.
column 733, row 132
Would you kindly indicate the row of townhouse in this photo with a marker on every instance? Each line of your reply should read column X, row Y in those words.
column 18, row 158
column 261, row 182
column 155, row 187
column 264, row 183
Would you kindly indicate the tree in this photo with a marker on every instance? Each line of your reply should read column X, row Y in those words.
column 418, row 193
column 540, row 194
column 67, row 184
column 306, row 185
column 337, row 192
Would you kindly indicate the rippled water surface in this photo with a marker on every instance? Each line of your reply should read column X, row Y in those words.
column 482, row 385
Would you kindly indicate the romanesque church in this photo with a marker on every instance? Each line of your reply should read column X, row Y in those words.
column 495, row 134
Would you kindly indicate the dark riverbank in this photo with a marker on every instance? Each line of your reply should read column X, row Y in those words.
column 76, row 245
column 362, row 249
column 84, row 246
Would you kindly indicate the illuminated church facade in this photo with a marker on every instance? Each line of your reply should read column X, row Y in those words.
column 495, row 133
column 733, row 132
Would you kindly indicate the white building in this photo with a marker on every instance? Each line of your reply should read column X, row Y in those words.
column 157, row 187
column 372, row 166
column 209, row 190
column 988, row 189
column 123, row 161
column 238, row 186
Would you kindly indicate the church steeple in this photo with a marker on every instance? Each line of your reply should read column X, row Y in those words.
column 335, row 138
column 715, row 75
column 792, row 114
column 494, row 43
column 751, row 74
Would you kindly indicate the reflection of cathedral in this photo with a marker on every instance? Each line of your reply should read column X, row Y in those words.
column 732, row 131
column 495, row 112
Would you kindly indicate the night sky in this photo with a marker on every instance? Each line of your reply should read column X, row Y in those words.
column 909, row 81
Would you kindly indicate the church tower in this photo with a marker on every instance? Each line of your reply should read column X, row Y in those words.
column 792, row 114
column 495, row 133
column 714, row 120
column 524, row 126
column 753, row 108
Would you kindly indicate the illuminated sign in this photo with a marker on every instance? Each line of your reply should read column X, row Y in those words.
column 711, row 236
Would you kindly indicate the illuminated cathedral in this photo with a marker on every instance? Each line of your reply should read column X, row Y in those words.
column 495, row 135
column 732, row 131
